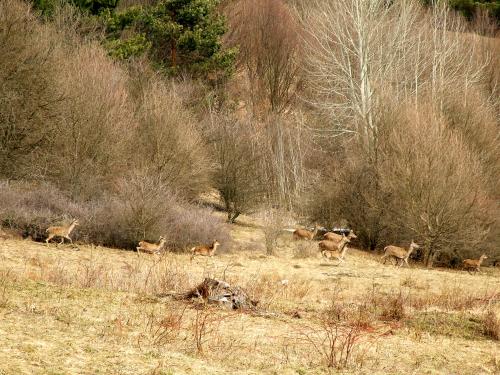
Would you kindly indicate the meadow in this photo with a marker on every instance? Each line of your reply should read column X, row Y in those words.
column 67, row 309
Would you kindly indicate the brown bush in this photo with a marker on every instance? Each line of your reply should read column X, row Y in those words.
column 269, row 51
column 95, row 124
column 167, row 143
column 491, row 324
column 28, row 96
column 139, row 209
column 440, row 201
column 273, row 222
column 238, row 176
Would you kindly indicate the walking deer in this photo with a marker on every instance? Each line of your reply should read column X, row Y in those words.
column 474, row 264
column 399, row 253
column 304, row 234
column 334, row 249
column 151, row 248
column 205, row 250
column 337, row 237
column 61, row 231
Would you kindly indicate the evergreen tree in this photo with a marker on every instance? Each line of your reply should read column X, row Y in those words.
column 177, row 34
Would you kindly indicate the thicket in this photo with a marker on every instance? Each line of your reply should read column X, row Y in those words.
column 106, row 148
column 422, row 126
column 347, row 112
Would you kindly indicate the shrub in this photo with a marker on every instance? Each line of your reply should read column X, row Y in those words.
column 138, row 209
column 28, row 98
column 491, row 324
column 273, row 222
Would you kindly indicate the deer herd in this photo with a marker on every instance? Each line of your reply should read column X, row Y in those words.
column 333, row 246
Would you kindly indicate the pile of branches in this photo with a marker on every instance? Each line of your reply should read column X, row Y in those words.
column 221, row 293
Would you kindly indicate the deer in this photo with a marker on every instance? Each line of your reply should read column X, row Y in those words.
column 399, row 253
column 205, row 250
column 304, row 234
column 474, row 264
column 151, row 248
column 61, row 231
column 334, row 249
column 337, row 237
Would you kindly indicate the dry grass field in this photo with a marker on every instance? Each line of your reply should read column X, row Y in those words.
column 93, row 310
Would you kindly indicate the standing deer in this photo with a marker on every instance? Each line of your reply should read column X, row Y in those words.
column 474, row 264
column 334, row 249
column 337, row 237
column 151, row 248
column 61, row 231
column 399, row 253
column 304, row 234
column 205, row 250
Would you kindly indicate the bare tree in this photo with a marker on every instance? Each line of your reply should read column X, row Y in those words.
column 167, row 142
column 28, row 97
column 269, row 51
column 238, row 176
column 286, row 144
column 439, row 200
column 362, row 51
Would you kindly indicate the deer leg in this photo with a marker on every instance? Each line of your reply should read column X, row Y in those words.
column 70, row 240
column 49, row 238
column 62, row 240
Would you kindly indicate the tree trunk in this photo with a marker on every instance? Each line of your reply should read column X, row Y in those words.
column 233, row 218
column 173, row 52
column 429, row 256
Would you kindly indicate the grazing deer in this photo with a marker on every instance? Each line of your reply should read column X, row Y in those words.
column 474, row 264
column 151, row 248
column 334, row 249
column 399, row 253
column 62, row 231
column 304, row 234
column 205, row 250
column 337, row 237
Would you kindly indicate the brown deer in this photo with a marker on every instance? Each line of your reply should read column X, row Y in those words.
column 399, row 253
column 304, row 234
column 337, row 237
column 151, row 248
column 205, row 250
column 474, row 264
column 334, row 249
column 61, row 231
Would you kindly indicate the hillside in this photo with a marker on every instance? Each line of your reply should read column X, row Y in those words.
column 97, row 311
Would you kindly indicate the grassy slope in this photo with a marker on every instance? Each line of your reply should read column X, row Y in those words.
column 94, row 311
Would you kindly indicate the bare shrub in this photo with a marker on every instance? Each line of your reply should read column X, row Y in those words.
column 238, row 177
column 204, row 327
column 167, row 327
column 144, row 208
column 269, row 51
column 167, row 141
column 491, row 324
column 31, row 208
column 305, row 249
column 96, row 120
column 28, row 97
column 334, row 338
column 419, row 181
column 139, row 209
column 169, row 276
column 273, row 222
